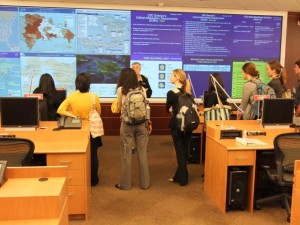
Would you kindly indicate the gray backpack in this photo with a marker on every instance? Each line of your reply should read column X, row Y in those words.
column 134, row 109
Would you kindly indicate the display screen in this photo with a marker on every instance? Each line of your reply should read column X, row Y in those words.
column 273, row 113
column 19, row 112
column 66, row 41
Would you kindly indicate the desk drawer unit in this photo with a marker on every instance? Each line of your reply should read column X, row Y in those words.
column 72, row 161
column 241, row 158
column 76, row 202
column 76, row 179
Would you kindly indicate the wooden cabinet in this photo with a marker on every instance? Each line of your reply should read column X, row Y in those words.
column 70, row 148
column 159, row 116
column 76, row 179
column 241, row 158
column 295, row 215
column 43, row 201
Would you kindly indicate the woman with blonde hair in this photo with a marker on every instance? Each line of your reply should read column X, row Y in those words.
column 279, row 77
column 180, row 138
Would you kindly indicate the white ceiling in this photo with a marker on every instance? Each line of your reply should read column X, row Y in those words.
column 265, row 5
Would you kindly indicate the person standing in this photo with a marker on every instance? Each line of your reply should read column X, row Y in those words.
column 78, row 104
column 279, row 77
column 251, row 75
column 180, row 138
column 50, row 103
column 137, row 133
column 143, row 80
column 297, row 94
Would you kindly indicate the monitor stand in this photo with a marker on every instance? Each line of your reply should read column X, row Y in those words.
column 19, row 128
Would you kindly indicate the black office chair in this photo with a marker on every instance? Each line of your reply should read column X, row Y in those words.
column 287, row 150
column 16, row 151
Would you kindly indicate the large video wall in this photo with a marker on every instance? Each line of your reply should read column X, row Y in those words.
column 66, row 41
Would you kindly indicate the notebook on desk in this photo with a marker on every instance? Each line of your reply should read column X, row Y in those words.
column 249, row 141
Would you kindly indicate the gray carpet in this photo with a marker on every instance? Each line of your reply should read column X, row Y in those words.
column 164, row 203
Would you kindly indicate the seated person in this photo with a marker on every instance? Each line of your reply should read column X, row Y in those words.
column 47, row 107
column 50, row 103
column 210, row 96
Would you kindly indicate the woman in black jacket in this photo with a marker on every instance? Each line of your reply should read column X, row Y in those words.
column 180, row 138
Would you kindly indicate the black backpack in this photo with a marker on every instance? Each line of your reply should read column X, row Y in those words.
column 187, row 116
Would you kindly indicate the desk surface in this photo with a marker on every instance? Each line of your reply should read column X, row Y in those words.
column 213, row 129
column 49, row 141
column 32, row 187
column 71, row 148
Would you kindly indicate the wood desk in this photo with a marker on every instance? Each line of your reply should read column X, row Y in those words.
column 295, row 215
column 222, row 153
column 70, row 148
column 27, row 200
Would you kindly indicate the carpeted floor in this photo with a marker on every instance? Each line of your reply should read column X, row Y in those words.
column 164, row 203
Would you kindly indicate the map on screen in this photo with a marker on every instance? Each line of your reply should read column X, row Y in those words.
column 66, row 41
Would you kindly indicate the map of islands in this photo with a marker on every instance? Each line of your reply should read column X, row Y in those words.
column 9, row 40
column 62, row 68
column 47, row 33
column 10, row 78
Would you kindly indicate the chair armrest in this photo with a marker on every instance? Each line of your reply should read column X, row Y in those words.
column 289, row 168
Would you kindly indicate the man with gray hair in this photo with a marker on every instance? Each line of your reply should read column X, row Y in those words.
column 143, row 80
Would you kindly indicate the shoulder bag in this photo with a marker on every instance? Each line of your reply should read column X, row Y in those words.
column 96, row 123
column 217, row 112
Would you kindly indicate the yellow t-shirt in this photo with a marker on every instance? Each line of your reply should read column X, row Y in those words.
column 79, row 104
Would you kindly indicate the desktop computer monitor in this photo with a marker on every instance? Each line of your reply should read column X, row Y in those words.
column 277, row 112
column 62, row 94
column 19, row 113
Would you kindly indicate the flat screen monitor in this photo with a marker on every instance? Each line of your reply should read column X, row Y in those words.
column 62, row 94
column 277, row 112
column 101, row 42
column 19, row 113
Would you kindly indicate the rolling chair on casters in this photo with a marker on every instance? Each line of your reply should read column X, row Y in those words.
column 16, row 151
column 287, row 150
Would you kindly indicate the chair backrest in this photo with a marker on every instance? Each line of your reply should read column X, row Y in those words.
column 16, row 151
column 287, row 150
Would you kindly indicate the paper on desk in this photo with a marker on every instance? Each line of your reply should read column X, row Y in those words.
column 249, row 141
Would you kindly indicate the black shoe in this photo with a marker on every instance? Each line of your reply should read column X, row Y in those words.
column 94, row 183
column 172, row 180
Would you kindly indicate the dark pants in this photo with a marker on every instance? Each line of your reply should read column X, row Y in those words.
column 95, row 143
column 180, row 141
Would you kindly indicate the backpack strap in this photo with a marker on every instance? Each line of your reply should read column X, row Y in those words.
column 93, row 103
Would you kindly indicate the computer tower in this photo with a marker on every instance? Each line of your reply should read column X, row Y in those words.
column 193, row 154
column 236, row 188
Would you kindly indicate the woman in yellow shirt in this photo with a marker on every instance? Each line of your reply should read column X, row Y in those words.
column 78, row 104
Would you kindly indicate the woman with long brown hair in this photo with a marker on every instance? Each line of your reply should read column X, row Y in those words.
column 279, row 77
column 129, row 134
column 251, row 75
